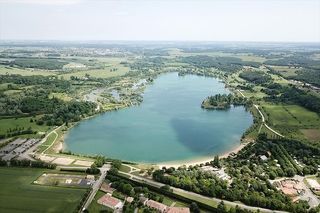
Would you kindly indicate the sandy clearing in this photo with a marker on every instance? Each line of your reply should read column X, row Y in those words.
column 46, row 158
column 83, row 163
column 63, row 161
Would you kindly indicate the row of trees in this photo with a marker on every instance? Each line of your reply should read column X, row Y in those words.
column 28, row 163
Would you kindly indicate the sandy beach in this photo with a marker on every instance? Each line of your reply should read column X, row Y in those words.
column 203, row 160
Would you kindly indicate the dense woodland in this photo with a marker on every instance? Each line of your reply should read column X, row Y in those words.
column 250, row 174
column 255, row 77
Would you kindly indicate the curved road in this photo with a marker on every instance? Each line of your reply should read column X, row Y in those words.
column 263, row 119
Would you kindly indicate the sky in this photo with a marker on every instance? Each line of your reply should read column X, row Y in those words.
column 174, row 20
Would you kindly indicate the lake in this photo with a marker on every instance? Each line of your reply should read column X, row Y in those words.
column 169, row 125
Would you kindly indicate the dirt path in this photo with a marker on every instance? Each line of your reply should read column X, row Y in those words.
column 53, row 132
column 264, row 123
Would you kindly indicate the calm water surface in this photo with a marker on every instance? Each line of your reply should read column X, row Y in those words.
column 169, row 125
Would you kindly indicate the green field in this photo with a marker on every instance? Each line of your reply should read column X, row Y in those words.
column 286, row 71
column 11, row 123
column 290, row 119
column 4, row 70
column 18, row 194
column 125, row 168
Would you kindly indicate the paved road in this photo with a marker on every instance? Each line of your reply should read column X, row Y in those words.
column 158, row 185
column 96, row 186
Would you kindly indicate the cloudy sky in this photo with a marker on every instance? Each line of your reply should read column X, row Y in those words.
column 209, row 20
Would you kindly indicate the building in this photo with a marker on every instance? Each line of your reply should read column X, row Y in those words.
column 107, row 188
column 111, row 202
column 178, row 210
column 263, row 158
column 156, row 205
column 129, row 199
column 143, row 199
column 160, row 207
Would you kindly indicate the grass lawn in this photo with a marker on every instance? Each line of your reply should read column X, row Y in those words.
column 7, row 123
column 50, row 139
column 18, row 194
column 207, row 201
column 125, row 168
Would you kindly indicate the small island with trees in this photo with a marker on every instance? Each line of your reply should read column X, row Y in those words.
column 223, row 101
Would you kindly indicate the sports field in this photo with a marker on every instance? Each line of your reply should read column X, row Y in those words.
column 18, row 194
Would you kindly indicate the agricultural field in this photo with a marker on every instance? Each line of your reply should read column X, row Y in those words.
column 286, row 71
column 292, row 119
column 19, row 194
column 96, row 73
column 5, row 70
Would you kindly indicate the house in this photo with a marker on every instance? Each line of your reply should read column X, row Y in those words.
column 111, row 202
column 263, row 158
column 160, row 207
column 178, row 210
column 156, row 205
column 107, row 188
column 129, row 199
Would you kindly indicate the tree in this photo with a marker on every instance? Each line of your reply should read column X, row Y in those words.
column 216, row 162
column 116, row 164
column 221, row 207
column 194, row 208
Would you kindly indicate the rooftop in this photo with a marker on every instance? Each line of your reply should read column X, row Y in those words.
column 156, row 205
column 108, row 200
column 178, row 210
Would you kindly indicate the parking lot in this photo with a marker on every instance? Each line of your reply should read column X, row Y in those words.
column 17, row 148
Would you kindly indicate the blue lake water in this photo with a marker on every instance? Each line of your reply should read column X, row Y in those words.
column 169, row 125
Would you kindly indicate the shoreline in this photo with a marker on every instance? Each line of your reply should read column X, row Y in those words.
column 197, row 161
column 175, row 163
